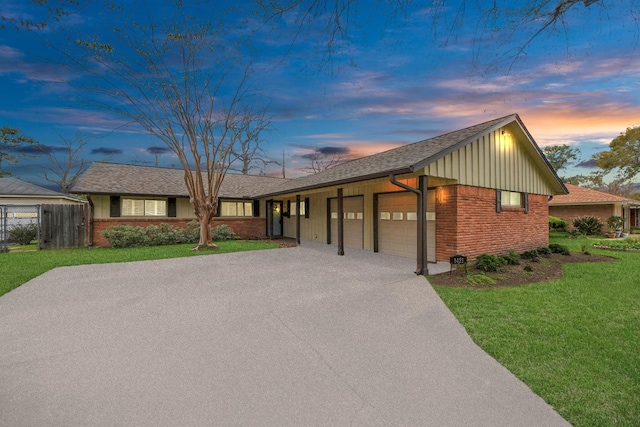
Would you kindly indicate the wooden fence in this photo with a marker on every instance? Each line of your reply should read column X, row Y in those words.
column 63, row 226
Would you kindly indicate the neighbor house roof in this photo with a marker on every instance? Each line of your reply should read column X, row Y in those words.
column 405, row 159
column 15, row 188
column 585, row 196
column 114, row 178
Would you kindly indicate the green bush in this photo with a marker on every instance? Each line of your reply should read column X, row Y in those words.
column 23, row 234
column 192, row 232
column 511, row 259
column 222, row 232
column 589, row 225
column 559, row 249
column 533, row 254
column 615, row 222
column 544, row 251
column 488, row 263
column 557, row 224
column 125, row 236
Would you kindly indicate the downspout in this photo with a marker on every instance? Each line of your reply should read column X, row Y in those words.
column 91, row 222
column 422, row 265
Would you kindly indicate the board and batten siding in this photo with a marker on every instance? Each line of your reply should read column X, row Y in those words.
column 506, row 162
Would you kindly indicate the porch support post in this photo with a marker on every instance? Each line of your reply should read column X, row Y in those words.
column 422, row 219
column 340, row 223
column 421, row 265
column 298, row 219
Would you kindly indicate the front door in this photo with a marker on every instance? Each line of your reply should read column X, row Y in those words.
column 275, row 219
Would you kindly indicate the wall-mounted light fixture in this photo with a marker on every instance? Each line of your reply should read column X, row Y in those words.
column 440, row 195
column 504, row 133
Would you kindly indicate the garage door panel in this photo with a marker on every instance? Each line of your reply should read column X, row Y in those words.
column 399, row 237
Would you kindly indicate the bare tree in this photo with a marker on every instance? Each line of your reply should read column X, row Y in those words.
column 248, row 150
column 65, row 169
column 184, row 81
column 324, row 158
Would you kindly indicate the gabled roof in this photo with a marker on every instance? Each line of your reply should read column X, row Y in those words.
column 122, row 179
column 405, row 159
column 585, row 196
column 17, row 191
column 10, row 186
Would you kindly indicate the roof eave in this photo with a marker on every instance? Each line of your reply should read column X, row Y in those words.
column 360, row 178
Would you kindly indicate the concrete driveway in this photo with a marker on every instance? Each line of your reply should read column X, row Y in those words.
column 286, row 337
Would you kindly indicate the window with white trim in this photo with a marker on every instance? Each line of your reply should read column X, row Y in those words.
column 144, row 207
column 236, row 208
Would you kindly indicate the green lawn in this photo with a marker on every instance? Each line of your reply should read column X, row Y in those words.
column 18, row 267
column 574, row 341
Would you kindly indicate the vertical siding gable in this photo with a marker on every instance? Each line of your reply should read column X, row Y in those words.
column 494, row 161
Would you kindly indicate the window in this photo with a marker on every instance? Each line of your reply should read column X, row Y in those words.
column 303, row 208
column 511, row 199
column 236, row 208
column 144, row 207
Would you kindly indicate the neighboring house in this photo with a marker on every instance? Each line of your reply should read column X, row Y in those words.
column 584, row 201
column 144, row 195
column 482, row 189
column 16, row 192
column 20, row 202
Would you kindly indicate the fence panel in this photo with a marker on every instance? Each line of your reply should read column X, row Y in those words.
column 63, row 226
column 17, row 221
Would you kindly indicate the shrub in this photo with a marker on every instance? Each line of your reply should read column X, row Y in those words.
column 125, row 236
column 222, row 232
column 557, row 224
column 615, row 222
column 589, row 225
column 543, row 251
column 23, row 234
column 511, row 259
column 559, row 249
column 489, row 263
column 164, row 234
column 530, row 255
column 192, row 232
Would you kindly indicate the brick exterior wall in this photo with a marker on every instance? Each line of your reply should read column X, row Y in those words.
column 467, row 223
column 245, row 228
column 569, row 213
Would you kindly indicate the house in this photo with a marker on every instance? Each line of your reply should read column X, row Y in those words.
column 20, row 203
column 586, row 202
column 144, row 195
column 482, row 189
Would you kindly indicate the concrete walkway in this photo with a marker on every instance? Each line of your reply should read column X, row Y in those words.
column 286, row 337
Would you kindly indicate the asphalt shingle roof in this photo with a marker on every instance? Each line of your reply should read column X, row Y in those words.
column 113, row 178
column 398, row 160
column 581, row 196
column 10, row 186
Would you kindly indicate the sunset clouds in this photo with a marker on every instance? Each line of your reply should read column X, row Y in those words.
column 392, row 82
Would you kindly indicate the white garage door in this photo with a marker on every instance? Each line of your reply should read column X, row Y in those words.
column 397, row 225
column 353, row 208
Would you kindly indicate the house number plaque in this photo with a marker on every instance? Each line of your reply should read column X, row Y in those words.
column 458, row 260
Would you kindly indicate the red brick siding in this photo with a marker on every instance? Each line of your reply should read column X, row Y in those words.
column 569, row 213
column 246, row 228
column 467, row 223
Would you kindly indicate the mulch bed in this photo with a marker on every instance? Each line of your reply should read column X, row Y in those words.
column 546, row 268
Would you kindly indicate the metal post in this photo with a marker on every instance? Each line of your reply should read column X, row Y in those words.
column 340, row 223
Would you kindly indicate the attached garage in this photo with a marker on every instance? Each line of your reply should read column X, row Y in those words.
column 397, row 224
column 353, row 208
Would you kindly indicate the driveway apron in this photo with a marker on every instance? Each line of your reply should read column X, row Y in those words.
column 284, row 337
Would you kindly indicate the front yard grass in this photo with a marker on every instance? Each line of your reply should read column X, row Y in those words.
column 574, row 341
column 18, row 267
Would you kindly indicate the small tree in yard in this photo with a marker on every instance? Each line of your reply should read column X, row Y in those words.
column 182, row 80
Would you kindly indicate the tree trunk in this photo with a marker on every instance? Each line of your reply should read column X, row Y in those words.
column 205, row 214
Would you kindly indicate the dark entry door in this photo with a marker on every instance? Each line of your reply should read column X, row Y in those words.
column 275, row 219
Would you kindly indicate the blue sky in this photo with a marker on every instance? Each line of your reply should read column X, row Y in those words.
column 394, row 80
